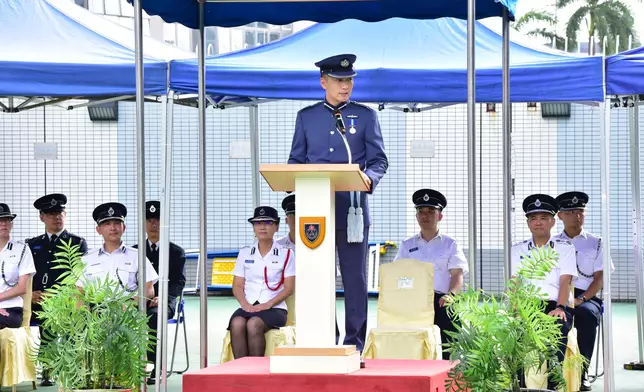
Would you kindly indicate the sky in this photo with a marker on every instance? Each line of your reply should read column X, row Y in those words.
column 523, row 6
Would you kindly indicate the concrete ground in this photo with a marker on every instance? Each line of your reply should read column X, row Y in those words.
column 220, row 308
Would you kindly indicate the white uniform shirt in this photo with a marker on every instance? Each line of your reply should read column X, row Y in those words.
column 590, row 257
column 16, row 260
column 256, row 270
column 122, row 265
column 565, row 266
column 443, row 251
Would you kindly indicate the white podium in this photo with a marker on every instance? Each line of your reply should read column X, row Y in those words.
column 315, row 186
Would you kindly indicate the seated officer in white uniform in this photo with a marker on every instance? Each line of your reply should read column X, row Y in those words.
column 443, row 251
column 540, row 211
column 288, row 205
column 264, row 276
column 114, row 258
column 16, row 267
column 590, row 268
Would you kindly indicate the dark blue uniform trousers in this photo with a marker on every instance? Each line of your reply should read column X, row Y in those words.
column 586, row 321
column 353, row 266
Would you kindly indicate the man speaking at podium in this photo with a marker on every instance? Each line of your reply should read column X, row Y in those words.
column 338, row 130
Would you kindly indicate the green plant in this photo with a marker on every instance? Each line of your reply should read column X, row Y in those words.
column 500, row 338
column 95, row 338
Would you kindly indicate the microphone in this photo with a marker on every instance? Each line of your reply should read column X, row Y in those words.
column 339, row 122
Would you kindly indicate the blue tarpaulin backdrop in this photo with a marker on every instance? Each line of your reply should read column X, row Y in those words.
column 399, row 60
column 230, row 14
column 625, row 73
column 55, row 48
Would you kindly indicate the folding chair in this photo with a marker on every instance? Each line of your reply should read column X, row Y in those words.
column 179, row 318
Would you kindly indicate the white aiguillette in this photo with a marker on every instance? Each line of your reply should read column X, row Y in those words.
column 318, row 360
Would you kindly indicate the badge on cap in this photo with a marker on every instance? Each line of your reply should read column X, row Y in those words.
column 152, row 209
column 53, row 202
column 426, row 197
column 262, row 212
column 344, row 63
column 1, row 209
column 110, row 212
column 575, row 200
column 537, row 203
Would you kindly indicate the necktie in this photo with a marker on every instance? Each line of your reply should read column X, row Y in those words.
column 53, row 239
column 154, row 248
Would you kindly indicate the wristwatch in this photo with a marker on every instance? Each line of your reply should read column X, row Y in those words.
column 582, row 298
column 562, row 307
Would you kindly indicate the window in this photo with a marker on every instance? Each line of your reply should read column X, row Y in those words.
column 96, row 6
column 113, row 7
column 81, row 3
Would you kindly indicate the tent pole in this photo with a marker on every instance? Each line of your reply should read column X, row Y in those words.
column 609, row 376
column 140, row 157
column 253, row 111
column 471, row 141
column 203, row 239
column 507, row 148
column 164, row 250
column 633, row 127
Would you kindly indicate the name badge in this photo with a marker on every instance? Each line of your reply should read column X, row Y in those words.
column 274, row 262
column 37, row 247
column 249, row 261
column 413, row 249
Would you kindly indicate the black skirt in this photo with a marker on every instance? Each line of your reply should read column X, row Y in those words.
column 13, row 320
column 273, row 318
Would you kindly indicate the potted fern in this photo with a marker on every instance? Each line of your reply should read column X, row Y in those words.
column 500, row 339
column 97, row 337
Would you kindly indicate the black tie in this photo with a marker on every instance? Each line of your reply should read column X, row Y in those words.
column 53, row 239
column 154, row 248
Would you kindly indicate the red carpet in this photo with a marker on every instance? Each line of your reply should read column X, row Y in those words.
column 252, row 375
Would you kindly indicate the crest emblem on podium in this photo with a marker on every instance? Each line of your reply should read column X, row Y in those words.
column 312, row 230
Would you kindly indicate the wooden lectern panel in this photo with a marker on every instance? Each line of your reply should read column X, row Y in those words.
column 344, row 177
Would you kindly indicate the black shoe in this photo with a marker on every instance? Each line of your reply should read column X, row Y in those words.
column 585, row 384
column 151, row 380
column 46, row 382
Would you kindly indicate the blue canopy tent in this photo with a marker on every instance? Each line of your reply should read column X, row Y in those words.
column 57, row 49
column 230, row 14
column 625, row 79
column 399, row 60
column 625, row 73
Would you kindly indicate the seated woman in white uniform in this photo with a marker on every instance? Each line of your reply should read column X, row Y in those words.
column 16, row 267
column 264, row 276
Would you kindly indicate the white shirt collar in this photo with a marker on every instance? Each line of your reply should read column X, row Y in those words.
column 57, row 234
column 565, row 236
column 121, row 249
column 439, row 235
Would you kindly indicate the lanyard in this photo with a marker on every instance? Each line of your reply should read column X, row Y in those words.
column 281, row 282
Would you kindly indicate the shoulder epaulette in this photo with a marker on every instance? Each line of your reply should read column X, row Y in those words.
column 310, row 106
column 562, row 241
column 362, row 105
column 93, row 250
column 519, row 242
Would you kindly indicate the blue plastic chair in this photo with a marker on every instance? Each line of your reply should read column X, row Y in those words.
column 179, row 319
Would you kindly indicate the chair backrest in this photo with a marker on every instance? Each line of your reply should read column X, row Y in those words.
column 26, row 306
column 290, row 306
column 406, row 294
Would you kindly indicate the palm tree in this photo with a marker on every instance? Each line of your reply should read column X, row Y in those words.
column 604, row 18
column 546, row 22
